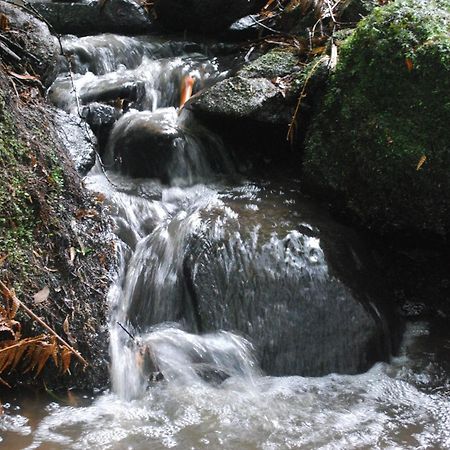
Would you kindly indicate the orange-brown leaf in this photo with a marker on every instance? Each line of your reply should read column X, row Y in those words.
column 18, row 356
column 409, row 64
column 66, row 356
column 421, row 162
column 4, row 22
column 44, row 355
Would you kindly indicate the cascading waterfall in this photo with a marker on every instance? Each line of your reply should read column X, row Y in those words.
column 225, row 301
column 205, row 258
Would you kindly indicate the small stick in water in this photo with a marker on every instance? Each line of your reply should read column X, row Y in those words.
column 126, row 331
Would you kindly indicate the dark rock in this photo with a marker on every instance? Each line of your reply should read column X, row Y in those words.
column 265, row 90
column 203, row 16
column 144, row 144
column 32, row 41
column 101, row 119
column 78, row 140
column 379, row 145
column 162, row 145
column 309, row 300
column 92, row 17
column 240, row 98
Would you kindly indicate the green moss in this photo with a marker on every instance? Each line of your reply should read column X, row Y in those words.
column 275, row 63
column 386, row 106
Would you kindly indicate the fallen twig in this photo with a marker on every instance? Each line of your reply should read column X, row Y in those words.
column 291, row 129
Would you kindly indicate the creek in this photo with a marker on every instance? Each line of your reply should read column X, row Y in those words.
column 242, row 315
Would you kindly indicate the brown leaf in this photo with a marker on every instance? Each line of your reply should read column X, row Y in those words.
column 25, row 77
column 42, row 295
column 44, row 355
column 409, row 64
column 3, row 259
column 89, row 213
column 4, row 22
column 66, row 326
column 18, row 356
column 100, row 198
column 421, row 162
column 66, row 355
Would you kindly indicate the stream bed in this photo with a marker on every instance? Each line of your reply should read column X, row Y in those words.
column 242, row 315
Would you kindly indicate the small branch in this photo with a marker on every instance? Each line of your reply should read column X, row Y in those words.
column 290, row 133
column 42, row 323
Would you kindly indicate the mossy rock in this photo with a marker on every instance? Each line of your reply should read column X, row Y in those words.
column 275, row 63
column 380, row 143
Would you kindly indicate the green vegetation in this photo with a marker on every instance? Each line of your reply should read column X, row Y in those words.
column 380, row 143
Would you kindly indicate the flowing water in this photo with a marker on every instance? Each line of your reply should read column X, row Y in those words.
column 236, row 318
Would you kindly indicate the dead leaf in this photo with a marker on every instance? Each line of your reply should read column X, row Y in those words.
column 421, row 162
column 25, row 77
column 66, row 355
column 3, row 259
column 100, row 198
column 4, row 22
column 73, row 254
column 89, row 213
column 42, row 295
column 409, row 64
column 66, row 325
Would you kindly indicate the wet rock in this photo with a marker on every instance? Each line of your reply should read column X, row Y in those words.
column 78, row 140
column 162, row 145
column 265, row 91
column 145, row 144
column 308, row 299
column 238, row 98
column 379, row 146
column 203, row 16
column 30, row 39
column 91, row 17
column 101, row 119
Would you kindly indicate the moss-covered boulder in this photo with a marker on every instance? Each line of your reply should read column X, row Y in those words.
column 380, row 143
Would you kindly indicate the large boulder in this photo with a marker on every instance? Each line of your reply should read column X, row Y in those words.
column 203, row 16
column 92, row 16
column 265, row 264
column 30, row 40
column 252, row 110
column 254, row 93
column 380, row 142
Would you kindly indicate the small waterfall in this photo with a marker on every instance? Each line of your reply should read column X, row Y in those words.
column 217, row 277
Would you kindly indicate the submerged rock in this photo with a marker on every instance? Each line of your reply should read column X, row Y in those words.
column 143, row 144
column 101, row 119
column 379, row 145
column 260, row 263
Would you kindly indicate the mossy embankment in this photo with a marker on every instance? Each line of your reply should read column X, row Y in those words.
column 53, row 237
